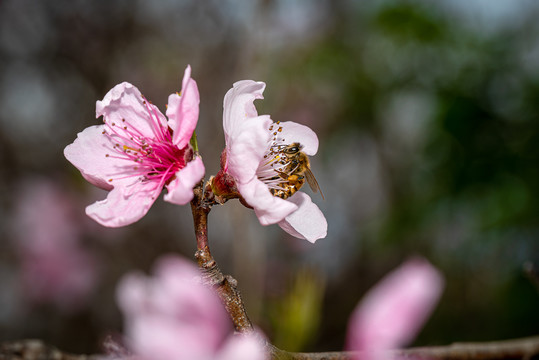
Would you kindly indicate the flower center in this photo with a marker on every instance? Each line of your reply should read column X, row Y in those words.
column 155, row 158
column 274, row 169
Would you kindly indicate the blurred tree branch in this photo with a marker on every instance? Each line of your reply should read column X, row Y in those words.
column 523, row 348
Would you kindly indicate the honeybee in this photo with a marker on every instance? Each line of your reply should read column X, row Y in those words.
column 296, row 170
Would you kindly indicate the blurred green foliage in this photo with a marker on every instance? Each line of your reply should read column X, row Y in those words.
column 296, row 315
column 462, row 191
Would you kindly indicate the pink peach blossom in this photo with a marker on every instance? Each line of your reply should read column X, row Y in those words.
column 55, row 268
column 251, row 160
column 137, row 152
column 393, row 312
column 172, row 316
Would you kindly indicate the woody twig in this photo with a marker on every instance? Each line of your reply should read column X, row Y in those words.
column 225, row 285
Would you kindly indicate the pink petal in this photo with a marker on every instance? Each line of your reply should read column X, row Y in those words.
column 246, row 149
column 123, row 206
column 268, row 208
column 88, row 154
column 393, row 312
column 180, row 190
column 238, row 105
column 172, row 268
column 44, row 217
column 183, row 110
column 293, row 132
column 54, row 267
column 243, row 347
column 180, row 296
column 170, row 316
column 307, row 222
column 154, row 337
column 131, row 292
column 124, row 105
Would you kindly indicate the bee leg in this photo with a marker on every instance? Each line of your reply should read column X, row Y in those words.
column 294, row 179
column 282, row 175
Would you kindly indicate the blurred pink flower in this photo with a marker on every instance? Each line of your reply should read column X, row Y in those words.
column 138, row 151
column 251, row 160
column 55, row 268
column 172, row 316
column 393, row 312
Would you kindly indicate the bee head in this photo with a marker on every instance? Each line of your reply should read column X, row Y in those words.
column 292, row 149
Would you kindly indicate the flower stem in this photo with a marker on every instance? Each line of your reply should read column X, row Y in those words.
column 225, row 285
column 200, row 219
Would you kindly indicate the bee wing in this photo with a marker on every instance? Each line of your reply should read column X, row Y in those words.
column 311, row 180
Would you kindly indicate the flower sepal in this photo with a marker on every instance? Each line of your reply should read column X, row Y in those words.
column 223, row 185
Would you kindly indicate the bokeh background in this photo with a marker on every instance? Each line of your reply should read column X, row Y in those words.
column 427, row 114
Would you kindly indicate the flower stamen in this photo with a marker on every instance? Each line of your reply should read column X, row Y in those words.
column 158, row 158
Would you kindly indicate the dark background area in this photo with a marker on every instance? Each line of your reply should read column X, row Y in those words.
column 427, row 115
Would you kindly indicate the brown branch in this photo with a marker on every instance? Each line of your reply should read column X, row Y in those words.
column 524, row 348
column 200, row 218
column 227, row 289
column 37, row 349
column 225, row 285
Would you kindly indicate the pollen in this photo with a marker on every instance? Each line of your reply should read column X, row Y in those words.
column 127, row 148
